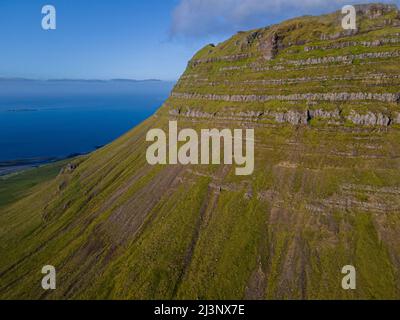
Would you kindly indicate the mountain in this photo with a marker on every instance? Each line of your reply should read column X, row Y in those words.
column 324, row 104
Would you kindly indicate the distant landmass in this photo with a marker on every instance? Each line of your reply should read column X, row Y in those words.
column 24, row 89
column 22, row 110
column 80, row 80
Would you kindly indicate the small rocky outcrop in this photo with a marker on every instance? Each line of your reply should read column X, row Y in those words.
column 228, row 58
column 369, row 119
column 69, row 168
column 292, row 117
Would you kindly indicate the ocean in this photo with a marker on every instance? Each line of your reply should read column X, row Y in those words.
column 45, row 120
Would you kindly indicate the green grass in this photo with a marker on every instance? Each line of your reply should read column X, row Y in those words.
column 18, row 185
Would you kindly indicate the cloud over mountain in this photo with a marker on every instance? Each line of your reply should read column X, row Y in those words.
column 204, row 18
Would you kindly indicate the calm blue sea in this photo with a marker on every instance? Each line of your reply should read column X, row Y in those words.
column 40, row 119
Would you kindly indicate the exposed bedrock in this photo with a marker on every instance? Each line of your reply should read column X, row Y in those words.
column 295, row 117
column 333, row 96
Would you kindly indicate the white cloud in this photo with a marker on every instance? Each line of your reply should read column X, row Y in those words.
column 204, row 18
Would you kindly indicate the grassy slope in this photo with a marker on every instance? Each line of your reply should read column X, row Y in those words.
column 16, row 186
column 118, row 228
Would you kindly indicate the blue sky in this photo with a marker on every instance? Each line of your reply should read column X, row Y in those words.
column 137, row 39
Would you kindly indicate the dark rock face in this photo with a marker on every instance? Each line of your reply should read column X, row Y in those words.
column 269, row 47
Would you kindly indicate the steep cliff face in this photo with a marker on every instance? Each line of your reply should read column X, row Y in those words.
column 301, row 64
column 325, row 106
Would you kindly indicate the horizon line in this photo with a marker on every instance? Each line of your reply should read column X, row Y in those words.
column 87, row 80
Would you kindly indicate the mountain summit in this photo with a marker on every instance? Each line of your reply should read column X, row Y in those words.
column 325, row 192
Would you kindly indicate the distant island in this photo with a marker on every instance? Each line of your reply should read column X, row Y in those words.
column 22, row 110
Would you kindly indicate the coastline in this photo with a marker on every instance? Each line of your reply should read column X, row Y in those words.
column 10, row 167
